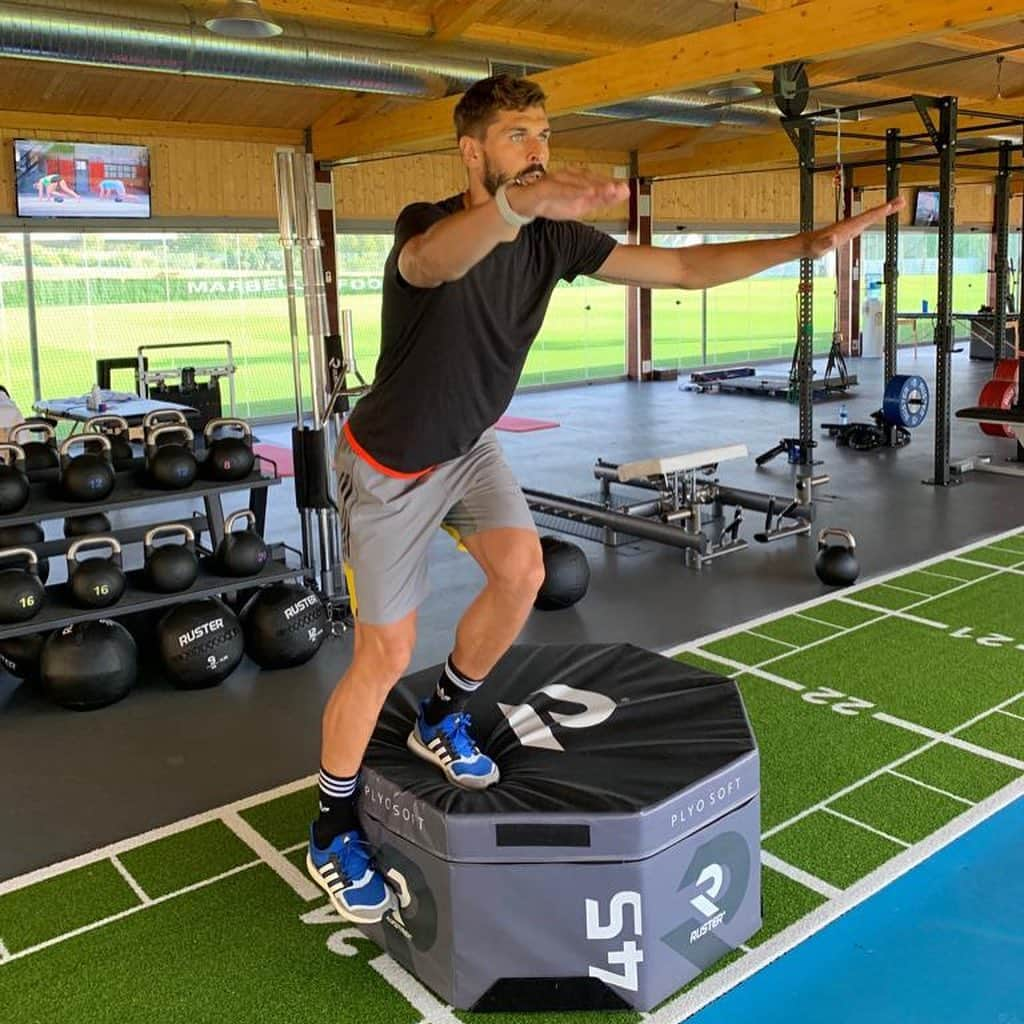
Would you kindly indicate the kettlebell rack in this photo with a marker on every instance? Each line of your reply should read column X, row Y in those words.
column 130, row 492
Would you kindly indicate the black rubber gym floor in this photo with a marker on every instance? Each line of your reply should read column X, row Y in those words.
column 79, row 781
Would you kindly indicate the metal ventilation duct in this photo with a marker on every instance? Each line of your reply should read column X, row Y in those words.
column 172, row 40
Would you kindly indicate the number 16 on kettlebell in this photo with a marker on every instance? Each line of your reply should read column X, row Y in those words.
column 95, row 582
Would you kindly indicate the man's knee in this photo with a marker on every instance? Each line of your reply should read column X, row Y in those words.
column 385, row 651
column 520, row 567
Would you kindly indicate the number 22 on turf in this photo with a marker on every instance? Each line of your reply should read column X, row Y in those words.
column 846, row 706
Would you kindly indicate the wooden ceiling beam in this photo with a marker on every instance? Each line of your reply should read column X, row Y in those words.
column 814, row 31
column 968, row 42
column 451, row 18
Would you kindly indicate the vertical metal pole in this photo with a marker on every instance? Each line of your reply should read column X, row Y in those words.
column 944, row 326
column 892, row 252
column 33, row 326
column 805, row 320
column 704, row 327
column 1002, row 265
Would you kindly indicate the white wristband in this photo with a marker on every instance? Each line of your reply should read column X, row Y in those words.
column 517, row 220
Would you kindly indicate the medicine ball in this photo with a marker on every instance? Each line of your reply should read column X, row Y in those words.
column 200, row 643
column 566, row 574
column 19, row 655
column 284, row 625
column 88, row 665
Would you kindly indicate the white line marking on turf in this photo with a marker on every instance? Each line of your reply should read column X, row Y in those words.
column 952, row 740
column 93, row 925
column 905, row 590
column 130, row 879
column 5, row 953
column 805, row 878
column 897, row 613
column 996, row 568
column 729, row 977
column 820, row 622
column 301, row 884
column 42, row 874
column 745, row 948
column 767, row 676
column 934, row 789
column 771, row 639
column 424, row 1001
column 1010, row 714
column 864, row 825
column 942, row 575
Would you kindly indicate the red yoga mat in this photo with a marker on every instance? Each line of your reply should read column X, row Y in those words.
column 279, row 455
column 523, row 424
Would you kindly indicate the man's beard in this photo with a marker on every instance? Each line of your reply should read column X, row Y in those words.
column 493, row 180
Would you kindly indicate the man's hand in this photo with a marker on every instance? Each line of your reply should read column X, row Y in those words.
column 818, row 243
column 568, row 194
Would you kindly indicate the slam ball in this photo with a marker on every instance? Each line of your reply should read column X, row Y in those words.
column 88, row 665
column 200, row 643
column 566, row 574
column 836, row 564
column 284, row 625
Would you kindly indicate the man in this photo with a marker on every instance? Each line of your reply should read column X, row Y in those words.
column 51, row 184
column 466, row 286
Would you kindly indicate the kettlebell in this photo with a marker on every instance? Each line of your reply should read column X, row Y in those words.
column 89, row 525
column 21, row 589
column 25, row 535
column 171, row 465
column 121, row 451
column 228, row 457
column 242, row 553
column 162, row 417
column 13, row 480
column 836, row 564
column 95, row 582
column 171, row 567
column 89, row 476
column 42, row 460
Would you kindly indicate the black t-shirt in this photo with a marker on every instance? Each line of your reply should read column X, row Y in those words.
column 451, row 356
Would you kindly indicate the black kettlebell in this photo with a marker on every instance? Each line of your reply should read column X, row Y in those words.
column 228, row 457
column 42, row 460
column 242, row 552
column 13, row 479
column 171, row 567
column 86, row 526
column 836, row 564
column 171, row 465
column 89, row 476
column 21, row 589
column 116, row 428
column 25, row 535
column 95, row 582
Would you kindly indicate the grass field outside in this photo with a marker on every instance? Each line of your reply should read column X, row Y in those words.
column 889, row 718
column 582, row 337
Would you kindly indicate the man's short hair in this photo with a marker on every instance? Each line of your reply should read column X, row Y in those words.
column 480, row 105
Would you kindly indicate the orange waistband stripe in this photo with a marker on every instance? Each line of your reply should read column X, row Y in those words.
column 379, row 466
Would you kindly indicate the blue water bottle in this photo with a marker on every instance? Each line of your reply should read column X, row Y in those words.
column 844, row 416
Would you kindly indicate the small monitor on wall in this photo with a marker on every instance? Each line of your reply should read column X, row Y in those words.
column 926, row 209
column 81, row 179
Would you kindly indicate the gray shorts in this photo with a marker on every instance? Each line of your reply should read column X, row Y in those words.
column 387, row 523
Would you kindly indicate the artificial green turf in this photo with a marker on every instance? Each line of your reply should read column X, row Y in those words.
column 840, row 613
column 964, row 571
column 884, row 595
column 931, row 586
column 997, row 732
column 746, row 648
column 899, row 808
column 234, row 951
column 785, row 902
column 62, row 904
column 284, row 821
column 794, row 630
column 809, row 752
column 958, row 772
column 994, row 555
column 185, row 858
column 692, row 658
column 834, row 850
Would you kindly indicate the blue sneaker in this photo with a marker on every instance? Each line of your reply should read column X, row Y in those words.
column 346, row 872
column 450, row 746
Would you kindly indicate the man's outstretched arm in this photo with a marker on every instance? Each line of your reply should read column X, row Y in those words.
column 704, row 266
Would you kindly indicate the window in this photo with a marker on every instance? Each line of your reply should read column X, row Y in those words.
column 15, row 355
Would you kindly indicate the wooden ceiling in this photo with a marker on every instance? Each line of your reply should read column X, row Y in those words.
column 598, row 53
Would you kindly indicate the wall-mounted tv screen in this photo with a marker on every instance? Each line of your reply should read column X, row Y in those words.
column 926, row 209
column 81, row 179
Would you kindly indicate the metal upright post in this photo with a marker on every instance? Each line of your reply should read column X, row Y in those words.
column 892, row 252
column 805, row 319
column 1002, row 264
column 947, row 142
